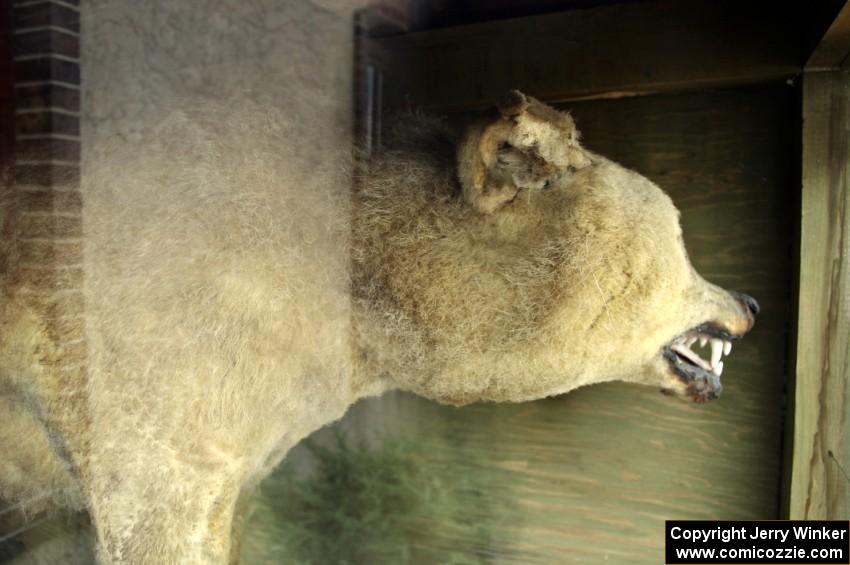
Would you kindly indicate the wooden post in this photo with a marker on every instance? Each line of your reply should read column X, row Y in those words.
column 821, row 452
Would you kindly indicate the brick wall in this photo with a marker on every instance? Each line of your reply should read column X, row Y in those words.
column 45, row 40
column 7, row 141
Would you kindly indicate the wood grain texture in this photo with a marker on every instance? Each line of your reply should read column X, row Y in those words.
column 819, row 483
column 833, row 50
column 626, row 49
column 590, row 477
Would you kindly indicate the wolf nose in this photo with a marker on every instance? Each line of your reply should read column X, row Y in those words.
column 748, row 301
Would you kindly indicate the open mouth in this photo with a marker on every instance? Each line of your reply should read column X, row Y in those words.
column 700, row 375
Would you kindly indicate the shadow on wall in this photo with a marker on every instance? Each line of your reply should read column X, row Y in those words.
column 391, row 503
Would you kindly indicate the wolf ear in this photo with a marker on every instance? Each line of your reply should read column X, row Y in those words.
column 477, row 156
column 528, row 147
column 513, row 103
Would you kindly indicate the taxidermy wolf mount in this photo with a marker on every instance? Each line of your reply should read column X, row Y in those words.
column 237, row 301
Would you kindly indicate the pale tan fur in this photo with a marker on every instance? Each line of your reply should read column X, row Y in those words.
column 236, row 301
column 529, row 146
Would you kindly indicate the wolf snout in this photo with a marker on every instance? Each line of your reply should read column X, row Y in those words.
column 748, row 301
column 750, row 306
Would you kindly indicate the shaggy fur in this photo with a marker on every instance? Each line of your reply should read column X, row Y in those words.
column 236, row 302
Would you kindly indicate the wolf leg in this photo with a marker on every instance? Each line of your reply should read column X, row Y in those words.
column 164, row 511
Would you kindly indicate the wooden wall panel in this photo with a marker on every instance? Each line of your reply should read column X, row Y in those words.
column 617, row 50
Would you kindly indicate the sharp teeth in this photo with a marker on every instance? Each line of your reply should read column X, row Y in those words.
column 703, row 341
column 719, row 369
column 690, row 341
column 690, row 355
column 727, row 347
column 716, row 351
